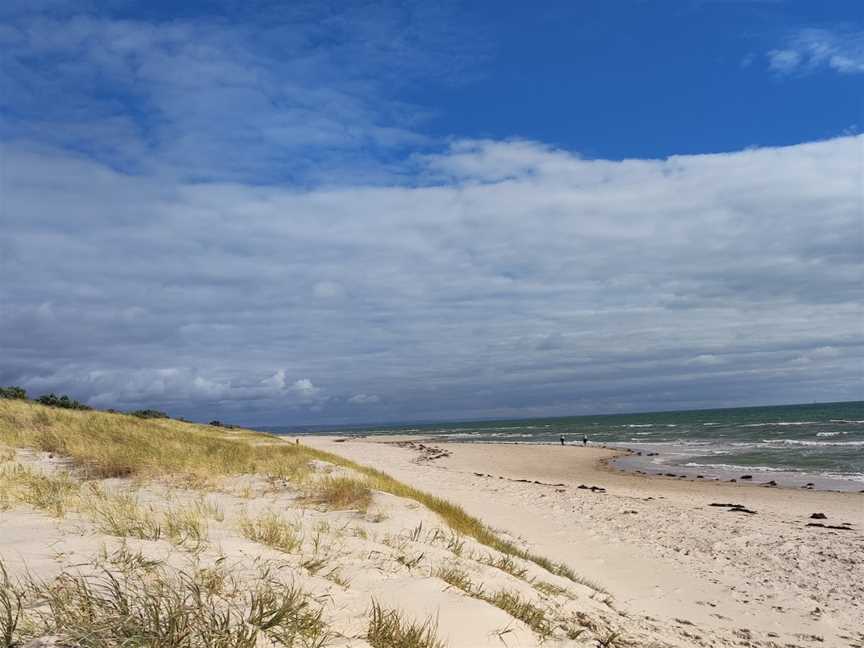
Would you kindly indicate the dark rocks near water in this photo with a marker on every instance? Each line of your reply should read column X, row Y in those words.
column 818, row 516
column 427, row 453
column 593, row 489
column 746, row 476
column 734, row 508
column 830, row 526
column 770, row 483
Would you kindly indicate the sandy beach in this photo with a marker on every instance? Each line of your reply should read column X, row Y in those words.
column 661, row 546
column 167, row 533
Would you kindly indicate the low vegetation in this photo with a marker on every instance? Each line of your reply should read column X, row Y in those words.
column 13, row 392
column 392, row 629
column 341, row 493
column 141, row 603
column 274, row 531
column 533, row 616
column 199, row 454
column 64, row 402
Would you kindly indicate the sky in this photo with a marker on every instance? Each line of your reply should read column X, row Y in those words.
column 291, row 213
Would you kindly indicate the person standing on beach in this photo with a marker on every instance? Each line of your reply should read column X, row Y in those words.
column 584, row 440
column 562, row 439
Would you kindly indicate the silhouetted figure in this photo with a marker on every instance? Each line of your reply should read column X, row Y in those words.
column 584, row 440
column 562, row 439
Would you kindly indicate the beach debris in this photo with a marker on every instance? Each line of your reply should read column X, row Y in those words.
column 699, row 477
column 830, row 526
column 427, row 452
column 593, row 489
column 770, row 483
column 735, row 508
column 746, row 476
column 818, row 516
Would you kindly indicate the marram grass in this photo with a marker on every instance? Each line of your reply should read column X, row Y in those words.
column 102, row 444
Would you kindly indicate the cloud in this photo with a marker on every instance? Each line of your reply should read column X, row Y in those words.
column 363, row 399
column 242, row 219
column 283, row 93
column 513, row 279
column 809, row 50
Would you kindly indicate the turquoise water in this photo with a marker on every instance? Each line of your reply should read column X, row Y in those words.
column 823, row 440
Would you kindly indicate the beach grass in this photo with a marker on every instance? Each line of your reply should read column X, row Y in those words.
column 340, row 493
column 390, row 628
column 139, row 604
column 274, row 531
column 102, row 444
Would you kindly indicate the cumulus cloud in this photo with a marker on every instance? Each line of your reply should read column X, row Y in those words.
column 515, row 280
column 272, row 244
column 811, row 49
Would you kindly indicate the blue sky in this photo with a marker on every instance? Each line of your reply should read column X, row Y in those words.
column 284, row 213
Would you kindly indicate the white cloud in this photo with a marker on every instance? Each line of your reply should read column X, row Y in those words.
column 364, row 399
column 519, row 280
column 811, row 49
column 305, row 390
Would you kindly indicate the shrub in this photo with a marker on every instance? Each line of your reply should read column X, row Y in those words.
column 149, row 414
column 13, row 392
column 52, row 400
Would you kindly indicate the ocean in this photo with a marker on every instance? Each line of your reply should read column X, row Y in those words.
column 820, row 443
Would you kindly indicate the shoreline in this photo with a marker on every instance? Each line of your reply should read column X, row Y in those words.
column 743, row 476
column 719, row 556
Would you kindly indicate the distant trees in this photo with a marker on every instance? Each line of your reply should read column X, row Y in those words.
column 149, row 414
column 63, row 401
column 13, row 392
column 52, row 400
column 222, row 425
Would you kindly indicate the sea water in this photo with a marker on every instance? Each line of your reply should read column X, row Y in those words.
column 791, row 444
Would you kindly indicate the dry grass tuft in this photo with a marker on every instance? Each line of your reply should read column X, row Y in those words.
column 274, row 531
column 550, row 589
column 506, row 564
column 391, row 629
column 528, row 613
column 54, row 494
column 458, row 578
column 341, row 493
column 152, row 606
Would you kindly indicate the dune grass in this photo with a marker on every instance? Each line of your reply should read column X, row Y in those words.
column 104, row 445
column 340, row 493
column 117, row 445
column 512, row 603
column 274, row 531
column 154, row 606
column 392, row 629
column 116, row 513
